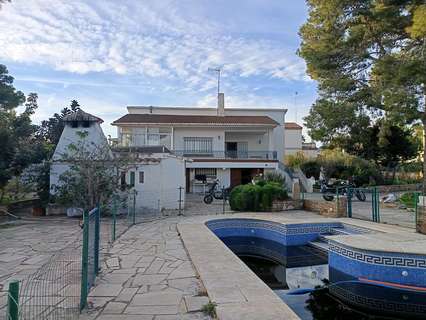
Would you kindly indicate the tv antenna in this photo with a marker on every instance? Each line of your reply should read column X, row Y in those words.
column 218, row 70
column 295, row 104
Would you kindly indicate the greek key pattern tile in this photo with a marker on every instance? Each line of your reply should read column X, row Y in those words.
column 385, row 259
column 290, row 229
column 376, row 303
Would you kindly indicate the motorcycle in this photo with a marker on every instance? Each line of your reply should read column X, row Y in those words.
column 215, row 193
column 329, row 191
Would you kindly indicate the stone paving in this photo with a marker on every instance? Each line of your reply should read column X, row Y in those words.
column 148, row 275
column 28, row 244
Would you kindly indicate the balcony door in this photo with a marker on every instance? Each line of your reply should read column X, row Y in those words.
column 236, row 150
column 231, row 149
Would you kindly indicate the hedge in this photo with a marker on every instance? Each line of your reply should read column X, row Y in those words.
column 256, row 197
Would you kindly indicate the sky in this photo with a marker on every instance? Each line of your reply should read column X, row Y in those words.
column 109, row 54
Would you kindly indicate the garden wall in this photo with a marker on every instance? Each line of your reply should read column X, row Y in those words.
column 286, row 205
column 399, row 187
column 332, row 209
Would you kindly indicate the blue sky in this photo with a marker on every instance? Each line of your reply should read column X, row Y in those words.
column 108, row 54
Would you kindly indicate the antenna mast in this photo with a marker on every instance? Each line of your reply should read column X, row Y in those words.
column 218, row 70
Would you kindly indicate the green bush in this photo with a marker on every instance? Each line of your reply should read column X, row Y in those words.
column 256, row 197
column 342, row 166
column 311, row 168
column 274, row 176
column 407, row 199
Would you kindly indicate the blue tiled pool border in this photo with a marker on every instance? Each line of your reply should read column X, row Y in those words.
column 396, row 267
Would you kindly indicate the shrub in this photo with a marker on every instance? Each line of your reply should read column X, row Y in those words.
column 274, row 176
column 257, row 197
column 342, row 166
column 295, row 160
column 407, row 199
column 311, row 168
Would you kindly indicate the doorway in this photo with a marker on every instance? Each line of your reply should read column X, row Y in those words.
column 244, row 175
column 231, row 149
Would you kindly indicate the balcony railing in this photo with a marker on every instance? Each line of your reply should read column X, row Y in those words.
column 263, row 155
column 140, row 140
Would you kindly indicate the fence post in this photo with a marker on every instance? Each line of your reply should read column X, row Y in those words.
column 13, row 301
column 416, row 201
column 114, row 217
column 373, row 204
column 377, row 205
column 337, row 200
column 84, row 261
column 134, row 207
column 349, row 201
column 180, row 201
column 97, row 238
column 224, row 200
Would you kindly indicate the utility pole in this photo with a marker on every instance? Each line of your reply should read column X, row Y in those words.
column 295, row 104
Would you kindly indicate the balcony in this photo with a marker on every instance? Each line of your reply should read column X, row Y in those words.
column 236, row 155
column 142, row 140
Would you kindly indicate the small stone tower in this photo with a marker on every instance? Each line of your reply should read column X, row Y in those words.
column 75, row 123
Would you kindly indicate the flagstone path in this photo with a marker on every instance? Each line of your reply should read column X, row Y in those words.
column 147, row 275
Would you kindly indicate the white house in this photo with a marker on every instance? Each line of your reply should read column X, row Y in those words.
column 294, row 141
column 154, row 173
column 231, row 144
column 157, row 176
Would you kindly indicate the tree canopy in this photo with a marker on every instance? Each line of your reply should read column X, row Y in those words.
column 50, row 130
column 368, row 58
column 20, row 147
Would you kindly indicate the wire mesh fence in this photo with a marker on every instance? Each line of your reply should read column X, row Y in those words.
column 375, row 204
column 52, row 292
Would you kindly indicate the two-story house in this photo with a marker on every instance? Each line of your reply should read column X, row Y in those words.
column 229, row 144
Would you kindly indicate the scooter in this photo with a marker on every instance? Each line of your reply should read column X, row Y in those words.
column 215, row 193
column 329, row 191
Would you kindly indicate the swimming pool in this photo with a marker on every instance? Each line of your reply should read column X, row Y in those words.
column 293, row 259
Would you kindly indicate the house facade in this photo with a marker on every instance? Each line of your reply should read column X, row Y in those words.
column 294, row 141
column 229, row 144
column 153, row 174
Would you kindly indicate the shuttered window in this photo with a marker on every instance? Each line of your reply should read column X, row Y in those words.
column 198, row 144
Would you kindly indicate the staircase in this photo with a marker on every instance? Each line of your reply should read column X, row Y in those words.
column 288, row 175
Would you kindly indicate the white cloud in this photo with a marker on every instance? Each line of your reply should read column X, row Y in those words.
column 149, row 38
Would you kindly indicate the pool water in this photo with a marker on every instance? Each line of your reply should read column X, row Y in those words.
column 285, row 269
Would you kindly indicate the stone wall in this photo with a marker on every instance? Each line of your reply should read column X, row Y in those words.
column 286, row 205
column 421, row 219
column 398, row 187
column 332, row 209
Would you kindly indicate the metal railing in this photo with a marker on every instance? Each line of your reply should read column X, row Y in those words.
column 246, row 155
column 144, row 139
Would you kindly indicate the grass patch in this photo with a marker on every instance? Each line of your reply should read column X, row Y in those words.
column 407, row 199
column 210, row 309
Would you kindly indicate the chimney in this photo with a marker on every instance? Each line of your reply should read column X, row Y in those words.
column 220, row 104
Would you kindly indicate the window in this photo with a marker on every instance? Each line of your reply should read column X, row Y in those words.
column 198, row 145
column 86, row 124
column 209, row 173
column 74, row 124
column 132, row 179
column 123, row 180
column 141, row 177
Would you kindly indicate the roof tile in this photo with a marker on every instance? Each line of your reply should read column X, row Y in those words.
column 190, row 119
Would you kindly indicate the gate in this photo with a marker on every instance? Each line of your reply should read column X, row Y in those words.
column 397, row 207
column 369, row 209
